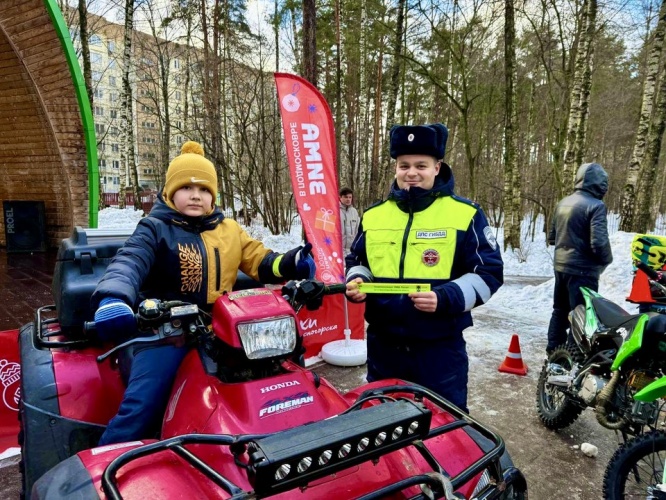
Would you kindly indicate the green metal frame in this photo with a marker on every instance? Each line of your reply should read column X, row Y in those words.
column 84, row 105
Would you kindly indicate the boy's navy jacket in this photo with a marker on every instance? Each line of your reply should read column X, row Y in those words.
column 426, row 236
column 171, row 256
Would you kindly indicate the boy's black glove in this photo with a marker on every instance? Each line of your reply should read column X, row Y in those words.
column 298, row 264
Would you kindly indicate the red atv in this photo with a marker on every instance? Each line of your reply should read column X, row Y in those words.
column 245, row 419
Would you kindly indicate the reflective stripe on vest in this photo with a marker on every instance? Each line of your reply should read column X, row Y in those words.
column 428, row 244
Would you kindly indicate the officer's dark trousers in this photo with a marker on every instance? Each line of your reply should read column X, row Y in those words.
column 438, row 365
column 566, row 297
column 142, row 408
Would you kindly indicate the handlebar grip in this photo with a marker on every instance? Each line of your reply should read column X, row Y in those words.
column 89, row 326
column 335, row 288
column 652, row 274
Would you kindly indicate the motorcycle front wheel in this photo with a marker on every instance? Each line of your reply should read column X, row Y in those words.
column 636, row 466
column 557, row 410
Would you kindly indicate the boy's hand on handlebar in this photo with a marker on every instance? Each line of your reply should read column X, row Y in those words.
column 353, row 292
column 114, row 319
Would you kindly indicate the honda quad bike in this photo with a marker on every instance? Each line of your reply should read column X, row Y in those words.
column 245, row 419
column 610, row 356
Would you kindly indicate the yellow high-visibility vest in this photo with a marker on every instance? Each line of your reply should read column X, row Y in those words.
column 417, row 246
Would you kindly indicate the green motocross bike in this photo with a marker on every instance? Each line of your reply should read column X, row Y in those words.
column 610, row 356
column 637, row 468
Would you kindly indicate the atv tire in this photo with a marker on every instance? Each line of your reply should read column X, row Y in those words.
column 557, row 410
column 636, row 465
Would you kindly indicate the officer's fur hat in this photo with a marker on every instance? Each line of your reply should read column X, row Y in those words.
column 419, row 140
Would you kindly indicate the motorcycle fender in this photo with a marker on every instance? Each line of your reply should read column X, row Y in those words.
column 653, row 391
column 578, row 320
column 631, row 343
column 591, row 320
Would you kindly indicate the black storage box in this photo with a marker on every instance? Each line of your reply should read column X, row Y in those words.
column 82, row 260
column 81, row 263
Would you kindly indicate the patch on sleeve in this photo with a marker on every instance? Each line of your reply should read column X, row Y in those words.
column 490, row 237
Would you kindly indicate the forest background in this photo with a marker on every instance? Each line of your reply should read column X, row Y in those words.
column 528, row 89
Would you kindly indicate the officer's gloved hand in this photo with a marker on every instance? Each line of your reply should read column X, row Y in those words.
column 114, row 319
column 298, row 263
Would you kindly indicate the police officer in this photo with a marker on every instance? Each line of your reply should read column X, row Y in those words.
column 423, row 233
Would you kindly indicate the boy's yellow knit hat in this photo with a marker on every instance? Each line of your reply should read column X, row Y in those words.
column 190, row 167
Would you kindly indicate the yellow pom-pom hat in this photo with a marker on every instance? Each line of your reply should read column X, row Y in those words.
column 190, row 167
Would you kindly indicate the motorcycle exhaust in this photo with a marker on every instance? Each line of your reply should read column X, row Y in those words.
column 604, row 399
column 558, row 376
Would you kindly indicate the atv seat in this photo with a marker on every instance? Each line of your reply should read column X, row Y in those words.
column 609, row 313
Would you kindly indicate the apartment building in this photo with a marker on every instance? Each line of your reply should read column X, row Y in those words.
column 148, row 79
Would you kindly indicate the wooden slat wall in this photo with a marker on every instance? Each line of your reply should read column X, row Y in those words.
column 42, row 148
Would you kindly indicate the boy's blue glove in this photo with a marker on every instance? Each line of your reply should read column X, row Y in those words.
column 114, row 319
column 298, row 263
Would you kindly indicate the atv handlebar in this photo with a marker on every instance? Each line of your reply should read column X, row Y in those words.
column 165, row 321
column 309, row 293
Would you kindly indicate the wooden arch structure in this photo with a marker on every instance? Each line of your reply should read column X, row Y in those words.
column 47, row 142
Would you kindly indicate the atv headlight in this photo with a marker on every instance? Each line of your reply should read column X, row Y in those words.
column 268, row 339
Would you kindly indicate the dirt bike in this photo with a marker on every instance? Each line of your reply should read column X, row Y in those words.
column 245, row 419
column 609, row 357
column 637, row 468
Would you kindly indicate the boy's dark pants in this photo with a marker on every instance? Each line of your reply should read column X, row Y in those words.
column 566, row 297
column 438, row 365
column 142, row 408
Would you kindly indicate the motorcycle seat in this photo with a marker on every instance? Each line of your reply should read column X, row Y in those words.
column 609, row 313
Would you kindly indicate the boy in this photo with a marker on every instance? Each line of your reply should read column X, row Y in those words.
column 184, row 250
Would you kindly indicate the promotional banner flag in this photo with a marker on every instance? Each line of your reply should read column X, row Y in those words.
column 10, row 376
column 310, row 141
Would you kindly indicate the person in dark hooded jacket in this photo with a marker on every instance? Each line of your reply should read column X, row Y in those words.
column 184, row 250
column 423, row 233
column 579, row 232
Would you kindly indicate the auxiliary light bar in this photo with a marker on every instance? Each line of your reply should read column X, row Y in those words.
column 297, row 456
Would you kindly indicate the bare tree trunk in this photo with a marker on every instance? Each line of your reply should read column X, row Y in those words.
column 581, row 134
column 575, row 121
column 628, row 220
column 127, row 157
column 374, row 185
column 310, row 41
column 395, row 79
column 512, row 191
column 338, row 89
column 646, row 213
column 276, row 32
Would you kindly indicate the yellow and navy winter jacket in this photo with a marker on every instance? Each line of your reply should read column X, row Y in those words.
column 171, row 256
column 426, row 236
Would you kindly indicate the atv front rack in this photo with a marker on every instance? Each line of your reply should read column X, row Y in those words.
column 278, row 462
column 44, row 334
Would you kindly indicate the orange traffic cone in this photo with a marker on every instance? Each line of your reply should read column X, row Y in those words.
column 513, row 363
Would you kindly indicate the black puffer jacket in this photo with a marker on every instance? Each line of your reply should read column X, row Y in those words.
column 580, row 228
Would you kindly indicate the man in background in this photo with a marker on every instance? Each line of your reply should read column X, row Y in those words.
column 348, row 218
column 579, row 232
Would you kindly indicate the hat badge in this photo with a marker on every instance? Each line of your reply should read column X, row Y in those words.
column 410, row 137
